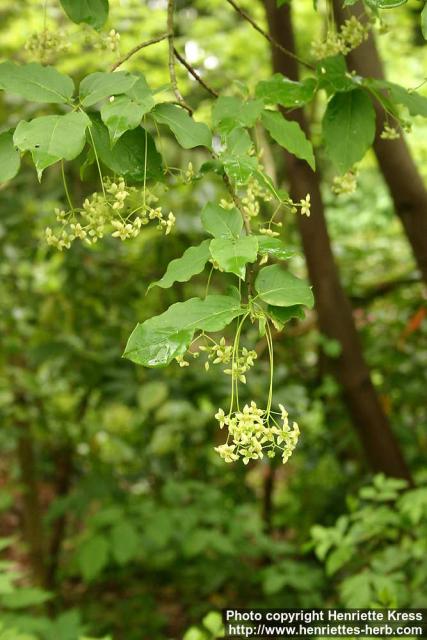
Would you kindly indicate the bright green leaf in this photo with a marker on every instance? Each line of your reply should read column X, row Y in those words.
column 282, row 289
column 229, row 112
column 424, row 21
column 238, row 142
column 125, row 112
column 413, row 101
column 287, row 93
column 93, row 556
column 273, row 247
column 187, row 131
column 155, row 342
column 233, row 254
column 25, row 597
column 348, row 128
column 100, row 85
column 192, row 262
column 52, row 138
column 10, row 160
column 239, row 168
column 128, row 157
column 221, row 223
column 289, row 135
column 35, row 82
column 91, row 12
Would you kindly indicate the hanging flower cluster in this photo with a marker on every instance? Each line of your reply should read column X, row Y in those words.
column 345, row 184
column 253, row 431
column 221, row 353
column 45, row 44
column 119, row 209
column 351, row 34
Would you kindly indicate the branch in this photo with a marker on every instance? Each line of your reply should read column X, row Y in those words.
column 267, row 36
column 194, row 73
column 172, row 74
column 138, row 47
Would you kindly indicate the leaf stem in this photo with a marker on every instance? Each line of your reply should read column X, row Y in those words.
column 67, row 193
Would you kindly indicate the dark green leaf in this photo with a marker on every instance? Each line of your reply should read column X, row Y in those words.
column 333, row 75
column 100, row 85
column 91, row 12
column 188, row 133
column 289, row 135
column 282, row 289
column 155, row 342
column 93, row 556
column 238, row 142
column 35, row 82
column 192, row 262
column 233, row 254
column 287, row 93
column 348, row 128
column 52, row 138
column 221, row 223
column 10, row 160
column 125, row 542
column 128, row 157
column 282, row 315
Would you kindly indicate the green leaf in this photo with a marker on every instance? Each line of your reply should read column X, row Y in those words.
column 188, row 133
column 52, row 138
column 35, row 82
column 239, row 168
column 333, row 75
column 413, row 101
column 125, row 542
column 26, row 597
column 155, row 342
column 282, row 289
column 213, row 623
column 192, row 262
column 282, row 315
column 100, row 85
column 221, row 223
column 287, row 93
column 388, row 4
column 10, row 160
column 289, row 135
column 229, row 112
column 273, row 247
column 348, row 128
column 93, row 556
column 238, row 142
column 128, row 157
column 125, row 112
column 91, row 12
column 233, row 254
column 424, row 21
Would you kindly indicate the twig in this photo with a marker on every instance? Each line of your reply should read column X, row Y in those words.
column 138, row 47
column 172, row 73
column 266, row 35
column 194, row 73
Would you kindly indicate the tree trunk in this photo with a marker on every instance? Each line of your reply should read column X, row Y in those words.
column 400, row 172
column 33, row 525
column 333, row 307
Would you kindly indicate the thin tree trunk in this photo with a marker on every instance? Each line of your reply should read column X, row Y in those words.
column 333, row 307
column 400, row 172
column 32, row 515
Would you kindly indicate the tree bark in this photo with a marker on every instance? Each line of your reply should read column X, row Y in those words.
column 400, row 172
column 32, row 514
column 333, row 307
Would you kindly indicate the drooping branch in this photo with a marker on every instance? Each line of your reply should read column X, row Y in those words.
column 138, row 47
column 194, row 73
column 172, row 73
column 267, row 36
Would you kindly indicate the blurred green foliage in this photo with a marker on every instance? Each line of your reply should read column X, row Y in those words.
column 158, row 534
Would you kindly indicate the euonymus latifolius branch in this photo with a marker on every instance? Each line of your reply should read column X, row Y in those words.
column 113, row 122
